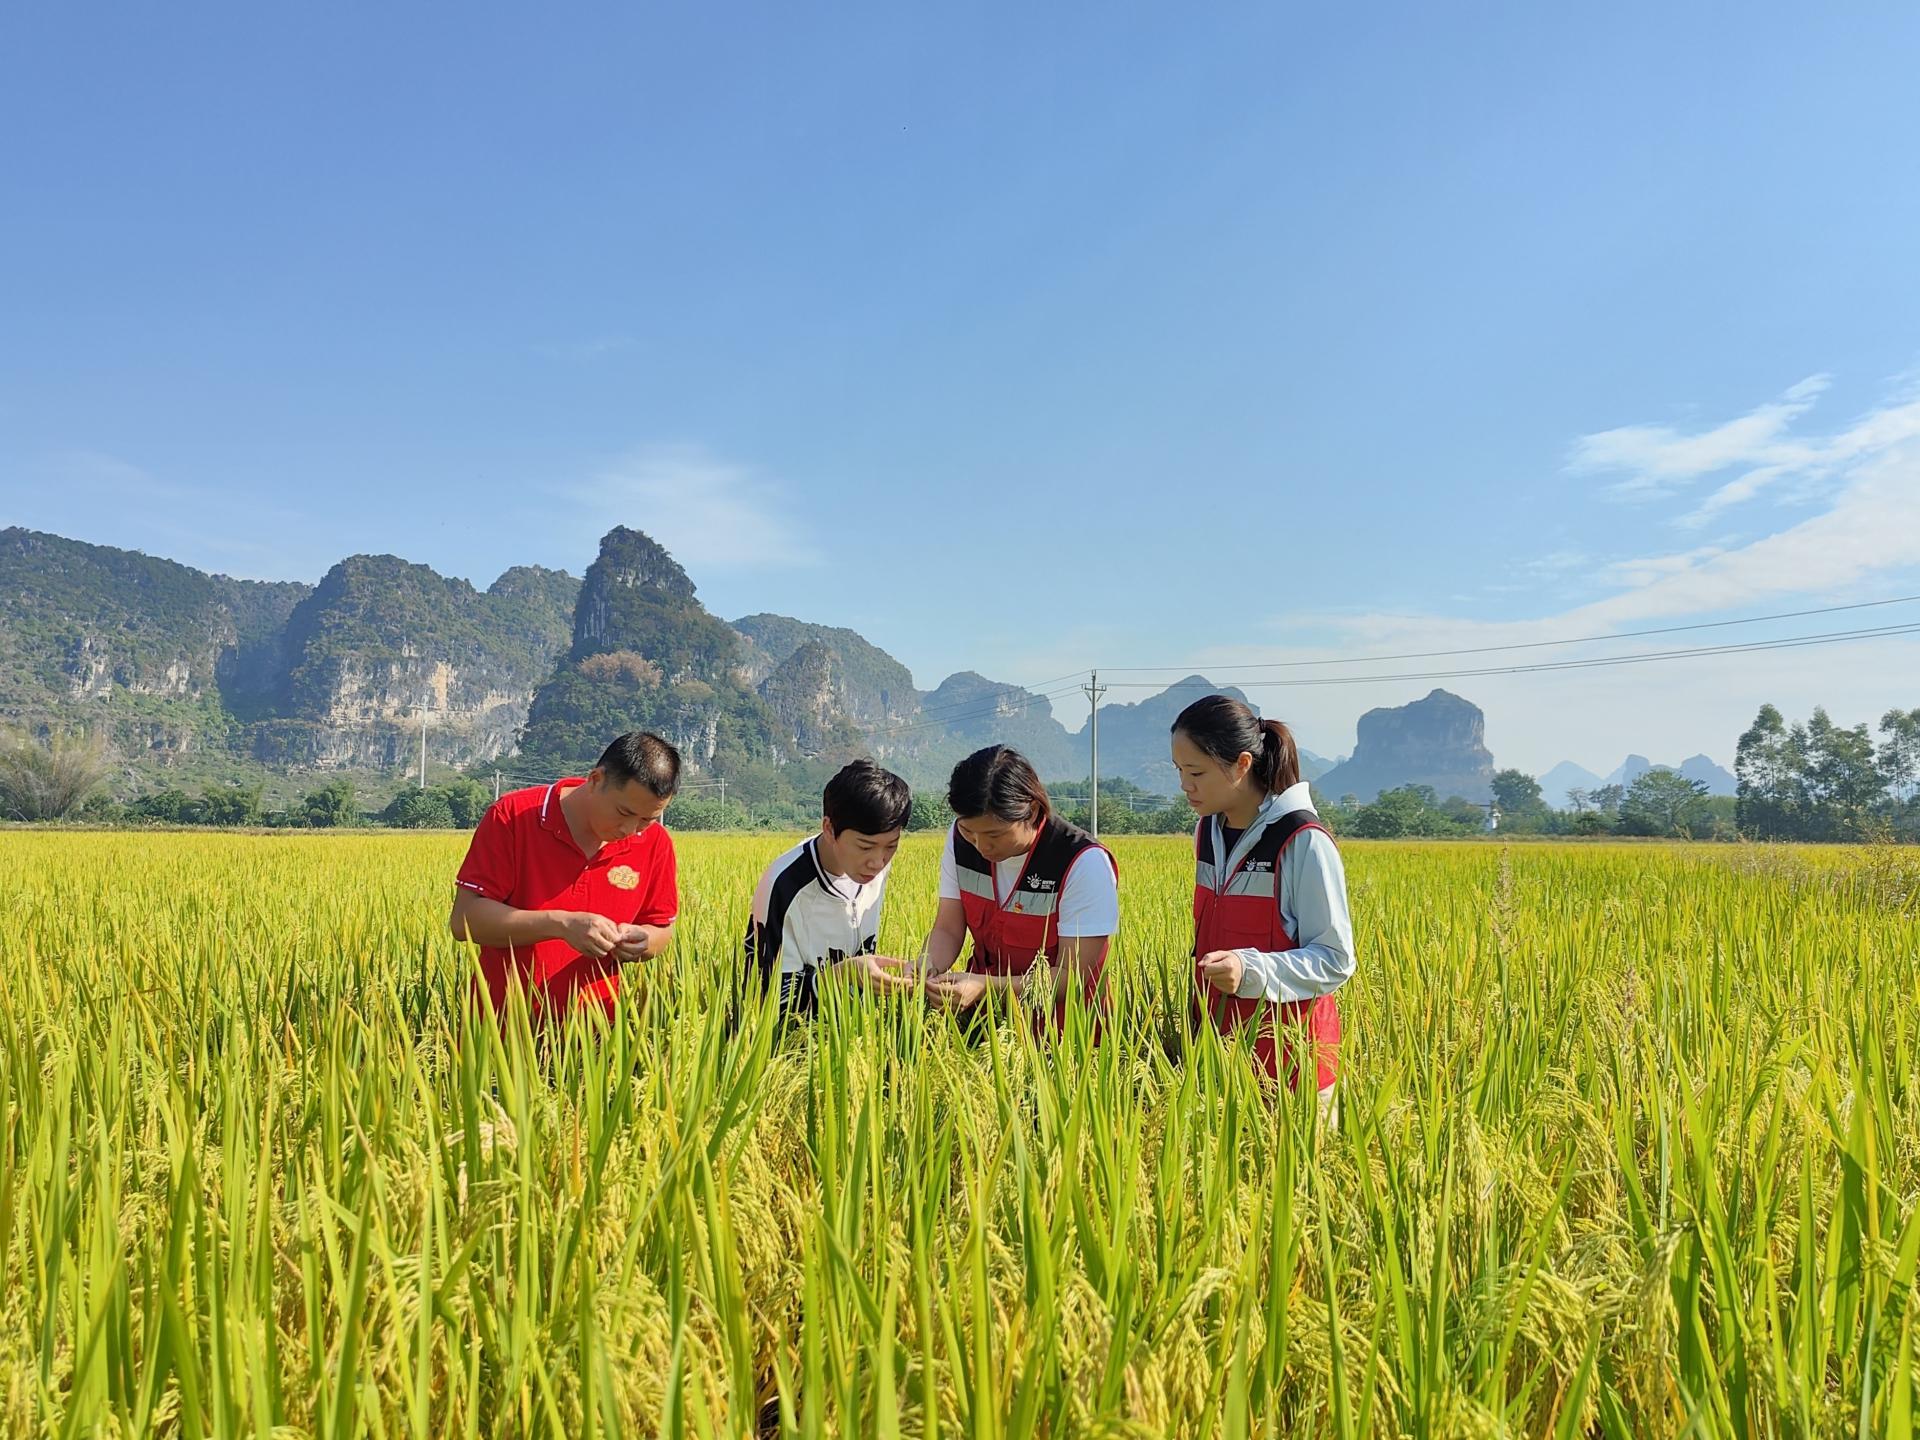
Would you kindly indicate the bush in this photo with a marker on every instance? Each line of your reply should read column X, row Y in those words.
column 468, row 799
column 166, row 807
column 929, row 811
column 231, row 805
column 420, row 810
column 49, row 777
column 329, row 806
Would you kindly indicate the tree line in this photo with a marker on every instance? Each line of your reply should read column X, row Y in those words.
column 1823, row 781
column 1811, row 781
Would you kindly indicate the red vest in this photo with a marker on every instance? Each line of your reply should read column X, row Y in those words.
column 1010, row 930
column 1239, row 909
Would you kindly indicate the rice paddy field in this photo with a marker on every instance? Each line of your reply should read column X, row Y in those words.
column 1629, row 1145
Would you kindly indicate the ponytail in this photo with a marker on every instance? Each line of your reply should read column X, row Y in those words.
column 1226, row 729
column 1281, row 757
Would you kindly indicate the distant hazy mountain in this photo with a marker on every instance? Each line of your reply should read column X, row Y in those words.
column 1564, row 777
column 1567, row 776
column 1629, row 770
column 1438, row 741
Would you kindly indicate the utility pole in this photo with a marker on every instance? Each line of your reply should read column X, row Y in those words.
column 496, row 784
column 723, row 800
column 423, row 744
column 1094, row 690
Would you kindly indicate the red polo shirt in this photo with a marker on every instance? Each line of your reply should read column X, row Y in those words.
column 524, row 855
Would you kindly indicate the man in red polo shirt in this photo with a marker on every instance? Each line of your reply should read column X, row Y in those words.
column 565, row 883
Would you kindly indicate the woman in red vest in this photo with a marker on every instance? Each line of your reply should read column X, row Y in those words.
column 1273, row 937
column 1022, row 883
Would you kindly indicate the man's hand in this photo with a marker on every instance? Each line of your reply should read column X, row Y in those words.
column 957, row 990
column 633, row 944
column 594, row 936
column 1221, row 969
column 876, row 972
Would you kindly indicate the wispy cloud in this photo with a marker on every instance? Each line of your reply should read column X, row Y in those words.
column 713, row 514
column 1865, row 526
column 1656, row 460
column 1754, row 452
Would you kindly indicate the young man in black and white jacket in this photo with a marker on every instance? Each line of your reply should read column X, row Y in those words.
column 817, row 907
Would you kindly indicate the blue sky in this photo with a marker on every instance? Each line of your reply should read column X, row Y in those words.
column 1022, row 339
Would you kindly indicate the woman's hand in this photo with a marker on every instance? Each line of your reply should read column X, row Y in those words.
column 1222, row 969
column 956, row 990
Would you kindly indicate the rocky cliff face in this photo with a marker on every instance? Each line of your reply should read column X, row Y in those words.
column 812, row 702
column 1439, row 741
column 174, row 662
column 647, row 654
column 967, row 710
column 81, row 622
column 635, row 597
column 873, row 688
column 379, row 639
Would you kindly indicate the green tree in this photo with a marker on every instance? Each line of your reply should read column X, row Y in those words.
column 929, row 811
column 1843, row 778
column 1663, row 802
column 1770, row 766
column 231, row 805
column 329, row 806
column 1516, row 795
column 468, row 799
column 166, row 807
column 1410, row 810
column 1899, row 756
column 419, row 810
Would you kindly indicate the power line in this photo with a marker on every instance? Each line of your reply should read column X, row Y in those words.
column 973, row 705
column 1190, row 669
column 1591, row 663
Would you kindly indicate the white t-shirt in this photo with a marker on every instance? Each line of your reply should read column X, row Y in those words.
column 1089, row 898
column 804, row 916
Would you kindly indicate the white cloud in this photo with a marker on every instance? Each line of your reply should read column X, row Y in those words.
column 1863, row 537
column 1655, row 460
column 714, row 515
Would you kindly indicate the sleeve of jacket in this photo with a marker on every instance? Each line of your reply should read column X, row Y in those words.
column 1313, row 887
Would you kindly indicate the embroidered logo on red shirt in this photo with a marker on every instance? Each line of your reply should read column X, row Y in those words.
column 623, row 877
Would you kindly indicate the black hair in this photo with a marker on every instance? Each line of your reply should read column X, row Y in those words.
column 866, row 798
column 1226, row 729
column 998, row 781
column 641, row 755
